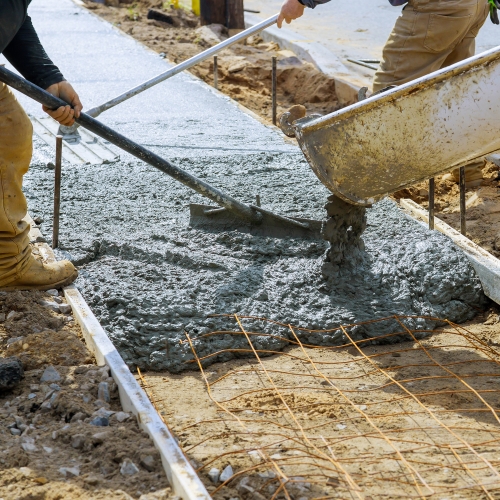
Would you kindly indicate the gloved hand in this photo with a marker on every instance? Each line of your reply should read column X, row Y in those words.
column 494, row 6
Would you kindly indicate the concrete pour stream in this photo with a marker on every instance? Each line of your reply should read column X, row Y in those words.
column 149, row 277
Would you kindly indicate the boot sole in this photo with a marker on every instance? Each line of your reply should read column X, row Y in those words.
column 59, row 284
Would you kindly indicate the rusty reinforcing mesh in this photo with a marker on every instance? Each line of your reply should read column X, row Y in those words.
column 412, row 419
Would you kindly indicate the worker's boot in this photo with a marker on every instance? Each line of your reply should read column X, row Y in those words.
column 40, row 276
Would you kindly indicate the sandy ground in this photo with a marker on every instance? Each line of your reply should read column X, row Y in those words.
column 244, row 70
column 336, row 424
column 50, row 445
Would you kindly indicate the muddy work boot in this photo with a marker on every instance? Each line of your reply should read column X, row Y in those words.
column 40, row 276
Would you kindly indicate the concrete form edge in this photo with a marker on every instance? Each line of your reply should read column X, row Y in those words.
column 347, row 84
column 487, row 266
column 180, row 473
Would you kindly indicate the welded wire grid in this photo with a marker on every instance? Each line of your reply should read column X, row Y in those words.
column 412, row 419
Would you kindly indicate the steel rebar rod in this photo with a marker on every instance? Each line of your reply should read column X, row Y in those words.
column 216, row 73
column 179, row 68
column 43, row 97
column 274, row 90
column 431, row 203
column 57, row 192
column 463, row 224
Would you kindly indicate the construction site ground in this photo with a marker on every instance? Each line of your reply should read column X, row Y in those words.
column 482, row 205
column 141, row 266
column 60, row 438
column 244, row 69
column 372, row 421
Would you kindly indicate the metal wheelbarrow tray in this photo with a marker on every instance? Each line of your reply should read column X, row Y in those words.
column 403, row 136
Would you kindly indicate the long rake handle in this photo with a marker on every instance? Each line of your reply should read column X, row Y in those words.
column 43, row 97
column 189, row 63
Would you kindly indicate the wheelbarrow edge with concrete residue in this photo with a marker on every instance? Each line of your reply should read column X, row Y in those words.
column 406, row 135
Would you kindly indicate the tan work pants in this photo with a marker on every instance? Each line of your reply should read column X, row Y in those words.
column 430, row 35
column 15, row 155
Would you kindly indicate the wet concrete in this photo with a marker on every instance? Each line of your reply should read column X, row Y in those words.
column 149, row 277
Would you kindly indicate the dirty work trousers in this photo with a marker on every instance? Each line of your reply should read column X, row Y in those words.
column 430, row 35
column 15, row 156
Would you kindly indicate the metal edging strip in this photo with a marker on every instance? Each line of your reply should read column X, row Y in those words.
column 180, row 473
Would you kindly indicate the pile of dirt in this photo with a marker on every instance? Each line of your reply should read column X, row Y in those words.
column 62, row 432
column 244, row 71
column 482, row 205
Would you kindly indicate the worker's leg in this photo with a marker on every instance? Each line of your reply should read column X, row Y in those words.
column 467, row 47
column 18, row 268
column 15, row 155
column 427, row 35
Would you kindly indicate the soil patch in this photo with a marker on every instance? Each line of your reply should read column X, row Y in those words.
column 244, row 70
column 66, row 437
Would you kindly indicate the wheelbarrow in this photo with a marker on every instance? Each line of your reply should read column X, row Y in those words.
column 405, row 135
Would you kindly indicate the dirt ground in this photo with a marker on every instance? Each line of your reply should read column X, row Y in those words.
column 50, row 445
column 244, row 70
column 409, row 419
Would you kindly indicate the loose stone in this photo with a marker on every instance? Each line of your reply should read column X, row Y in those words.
column 227, row 474
column 148, row 462
column 11, row 372
column 103, row 392
column 70, row 471
column 100, row 421
column 50, row 374
column 78, row 440
column 121, row 416
column 214, row 475
column 49, row 304
column 65, row 308
column 128, row 468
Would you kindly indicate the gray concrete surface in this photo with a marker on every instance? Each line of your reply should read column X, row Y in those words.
column 355, row 29
column 149, row 277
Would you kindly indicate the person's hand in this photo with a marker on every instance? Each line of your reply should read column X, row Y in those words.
column 290, row 10
column 65, row 115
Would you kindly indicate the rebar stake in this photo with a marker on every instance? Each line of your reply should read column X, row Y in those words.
column 431, row 203
column 57, row 192
column 216, row 73
column 463, row 224
column 274, row 79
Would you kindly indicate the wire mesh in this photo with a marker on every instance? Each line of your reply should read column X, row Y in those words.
column 414, row 419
